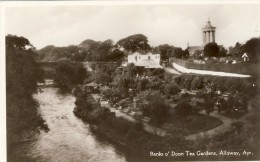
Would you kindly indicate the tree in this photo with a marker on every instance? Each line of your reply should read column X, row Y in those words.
column 252, row 47
column 185, row 54
column 211, row 50
column 116, row 55
column 183, row 109
column 236, row 50
column 171, row 88
column 177, row 52
column 102, row 78
column 134, row 43
column 222, row 52
column 153, row 105
column 164, row 50
column 22, row 75
column 68, row 75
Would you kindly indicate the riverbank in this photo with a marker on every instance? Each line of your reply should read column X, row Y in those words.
column 120, row 131
column 135, row 140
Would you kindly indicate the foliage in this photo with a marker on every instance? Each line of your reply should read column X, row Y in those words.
column 241, row 135
column 171, row 88
column 153, row 105
column 115, row 55
column 165, row 50
column 135, row 43
column 52, row 53
column 22, row 75
column 183, row 109
column 88, row 50
column 68, row 75
column 222, row 52
column 252, row 47
column 213, row 83
column 211, row 50
column 237, row 50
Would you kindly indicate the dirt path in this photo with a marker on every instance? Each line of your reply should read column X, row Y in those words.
column 149, row 128
column 221, row 128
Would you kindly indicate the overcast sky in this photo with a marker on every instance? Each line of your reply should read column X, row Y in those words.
column 172, row 24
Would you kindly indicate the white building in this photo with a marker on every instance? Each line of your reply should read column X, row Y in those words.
column 148, row 60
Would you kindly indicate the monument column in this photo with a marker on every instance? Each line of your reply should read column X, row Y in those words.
column 208, row 33
column 213, row 36
column 203, row 36
column 208, row 37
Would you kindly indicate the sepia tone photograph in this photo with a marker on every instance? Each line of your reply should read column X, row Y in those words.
column 123, row 81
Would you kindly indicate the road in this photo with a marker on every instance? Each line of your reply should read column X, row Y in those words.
column 171, row 70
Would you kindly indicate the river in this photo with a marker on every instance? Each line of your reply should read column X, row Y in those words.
column 69, row 139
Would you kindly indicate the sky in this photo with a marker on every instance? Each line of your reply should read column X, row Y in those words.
column 174, row 24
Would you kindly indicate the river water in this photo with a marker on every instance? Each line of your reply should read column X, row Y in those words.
column 68, row 140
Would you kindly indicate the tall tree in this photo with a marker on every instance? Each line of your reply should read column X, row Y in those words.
column 252, row 47
column 211, row 50
column 133, row 43
column 236, row 50
column 22, row 75
column 152, row 104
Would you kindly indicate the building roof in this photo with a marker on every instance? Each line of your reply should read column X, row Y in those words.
column 209, row 26
column 137, row 53
column 196, row 47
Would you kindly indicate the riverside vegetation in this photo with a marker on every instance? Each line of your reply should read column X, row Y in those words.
column 22, row 75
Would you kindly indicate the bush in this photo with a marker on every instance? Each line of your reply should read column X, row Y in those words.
column 211, row 50
column 183, row 109
column 213, row 83
column 68, row 75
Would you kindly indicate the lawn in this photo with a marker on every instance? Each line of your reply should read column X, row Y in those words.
column 194, row 123
column 234, row 115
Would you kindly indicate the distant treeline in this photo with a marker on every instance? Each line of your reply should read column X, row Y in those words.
column 108, row 50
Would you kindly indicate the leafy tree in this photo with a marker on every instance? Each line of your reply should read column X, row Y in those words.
column 222, row 52
column 197, row 83
column 22, row 75
column 153, row 105
column 183, row 109
column 177, row 52
column 102, row 78
column 165, row 50
column 116, row 55
column 237, row 50
column 133, row 43
column 171, row 88
column 185, row 54
column 211, row 50
column 68, row 75
column 252, row 47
